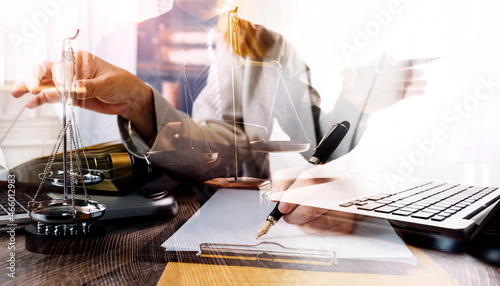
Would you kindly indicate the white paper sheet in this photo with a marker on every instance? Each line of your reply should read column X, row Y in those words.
column 235, row 216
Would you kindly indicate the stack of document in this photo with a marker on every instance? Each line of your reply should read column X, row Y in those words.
column 235, row 216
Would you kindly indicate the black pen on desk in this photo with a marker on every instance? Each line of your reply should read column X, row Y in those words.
column 322, row 152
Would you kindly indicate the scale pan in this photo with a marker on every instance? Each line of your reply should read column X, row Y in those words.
column 182, row 157
column 90, row 177
column 279, row 146
column 240, row 183
column 61, row 211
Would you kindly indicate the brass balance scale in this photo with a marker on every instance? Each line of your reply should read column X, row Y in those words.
column 191, row 155
column 69, row 217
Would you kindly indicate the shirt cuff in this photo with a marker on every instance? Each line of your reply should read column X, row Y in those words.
column 344, row 110
column 133, row 142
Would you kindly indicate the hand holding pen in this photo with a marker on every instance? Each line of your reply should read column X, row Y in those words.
column 323, row 151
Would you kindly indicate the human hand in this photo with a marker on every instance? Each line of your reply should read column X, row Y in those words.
column 381, row 84
column 101, row 87
column 308, row 218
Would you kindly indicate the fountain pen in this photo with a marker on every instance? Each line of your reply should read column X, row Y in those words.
column 322, row 152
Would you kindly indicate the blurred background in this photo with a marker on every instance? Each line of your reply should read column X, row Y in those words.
column 451, row 132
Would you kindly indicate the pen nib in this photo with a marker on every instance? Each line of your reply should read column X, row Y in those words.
column 264, row 229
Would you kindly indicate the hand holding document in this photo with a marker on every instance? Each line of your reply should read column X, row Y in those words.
column 232, row 216
column 383, row 82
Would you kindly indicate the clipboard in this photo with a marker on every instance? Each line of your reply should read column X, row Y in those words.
column 211, row 236
column 264, row 255
column 272, row 255
column 267, row 252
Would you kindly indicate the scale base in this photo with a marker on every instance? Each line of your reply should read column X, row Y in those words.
column 240, row 183
column 63, row 242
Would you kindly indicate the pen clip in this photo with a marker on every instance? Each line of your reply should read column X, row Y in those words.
column 327, row 134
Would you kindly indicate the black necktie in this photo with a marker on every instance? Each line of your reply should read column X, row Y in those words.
column 196, row 80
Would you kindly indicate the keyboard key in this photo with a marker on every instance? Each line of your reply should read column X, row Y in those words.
column 17, row 209
column 442, row 205
column 396, row 197
column 408, row 200
column 419, row 205
column 402, row 213
column 348, row 204
column 410, row 209
column 370, row 206
column 397, row 204
column 437, row 209
column 467, row 203
column 8, row 208
column 423, row 215
column 439, row 196
column 385, row 201
column 478, row 196
column 386, row 209
column 429, row 201
column 448, row 202
column 447, row 213
column 438, row 218
column 375, row 197
column 359, row 203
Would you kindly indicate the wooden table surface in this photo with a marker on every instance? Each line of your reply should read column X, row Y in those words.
column 131, row 254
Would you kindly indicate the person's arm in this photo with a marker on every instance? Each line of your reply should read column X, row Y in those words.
column 344, row 110
column 367, row 89
column 101, row 87
column 147, row 121
column 176, row 132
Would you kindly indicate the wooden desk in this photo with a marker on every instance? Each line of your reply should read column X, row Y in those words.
column 130, row 254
